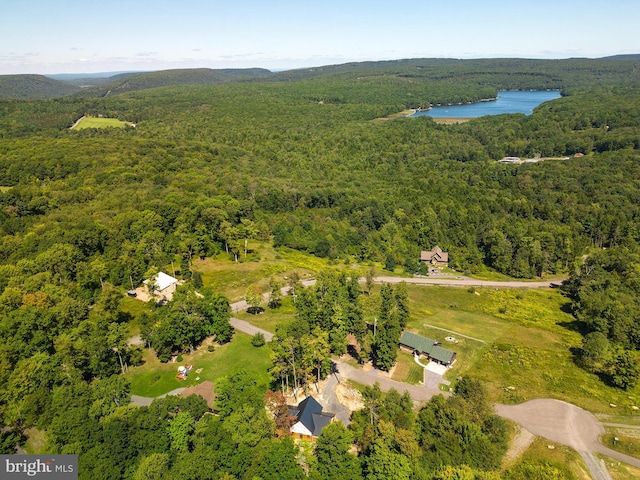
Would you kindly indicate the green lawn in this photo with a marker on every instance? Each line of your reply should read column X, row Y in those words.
column 96, row 122
column 407, row 370
column 271, row 317
column 155, row 378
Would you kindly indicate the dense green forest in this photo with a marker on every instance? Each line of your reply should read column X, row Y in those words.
column 302, row 159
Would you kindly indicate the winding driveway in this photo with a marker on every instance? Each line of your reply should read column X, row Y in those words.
column 555, row 420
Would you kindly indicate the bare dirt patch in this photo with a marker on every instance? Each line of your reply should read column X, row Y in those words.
column 349, row 397
column 521, row 441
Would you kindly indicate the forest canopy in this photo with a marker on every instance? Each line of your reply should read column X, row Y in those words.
column 302, row 159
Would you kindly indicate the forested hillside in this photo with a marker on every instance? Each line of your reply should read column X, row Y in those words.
column 33, row 86
column 304, row 160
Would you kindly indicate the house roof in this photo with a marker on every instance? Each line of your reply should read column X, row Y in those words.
column 436, row 253
column 162, row 281
column 426, row 346
column 204, row 390
column 309, row 413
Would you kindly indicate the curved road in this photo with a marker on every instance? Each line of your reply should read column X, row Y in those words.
column 558, row 421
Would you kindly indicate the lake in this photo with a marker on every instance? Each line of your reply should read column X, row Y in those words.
column 507, row 102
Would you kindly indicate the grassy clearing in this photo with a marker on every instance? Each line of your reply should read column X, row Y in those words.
column 564, row 458
column 623, row 440
column 133, row 308
column 155, row 378
column 5, row 189
column 36, row 440
column 529, row 336
column 271, row 318
column 407, row 370
column 620, row 471
column 262, row 263
column 99, row 122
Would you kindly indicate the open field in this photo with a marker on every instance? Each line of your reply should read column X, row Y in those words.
column 96, row 122
column 155, row 378
column 529, row 336
column 263, row 262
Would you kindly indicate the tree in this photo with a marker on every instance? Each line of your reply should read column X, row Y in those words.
column 152, row 467
column 279, row 461
column 294, row 284
column 369, row 279
column 275, row 293
column 382, row 463
column 595, row 352
column 332, row 454
column 276, row 404
column 196, row 278
column 254, row 297
column 258, row 340
column 626, row 370
column 179, row 430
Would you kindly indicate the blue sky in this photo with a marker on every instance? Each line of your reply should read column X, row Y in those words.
column 71, row 36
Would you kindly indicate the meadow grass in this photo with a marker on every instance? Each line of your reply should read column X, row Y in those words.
column 529, row 339
column 619, row 470
column 559, row 455
column 155, row 378
column 96, row 122
column 36, row 441
column 263, row 262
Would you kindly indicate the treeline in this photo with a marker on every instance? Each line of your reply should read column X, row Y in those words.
column 605, row 291
column 456, row 437
column 331, row 319
column 198, row 169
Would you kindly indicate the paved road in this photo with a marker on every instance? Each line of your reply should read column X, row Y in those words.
column 332, row 404
column 567, row 424
column 146, row 401
column 462, row 281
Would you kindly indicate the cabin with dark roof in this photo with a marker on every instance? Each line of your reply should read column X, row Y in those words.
column 431, row 349
column 310, row 419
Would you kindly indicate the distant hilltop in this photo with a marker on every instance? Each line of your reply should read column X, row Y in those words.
column 556, row 75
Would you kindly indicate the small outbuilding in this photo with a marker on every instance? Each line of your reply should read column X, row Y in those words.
column 310, row 419
column 431, row 349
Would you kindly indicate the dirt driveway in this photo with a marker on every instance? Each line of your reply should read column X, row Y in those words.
column 567, row 424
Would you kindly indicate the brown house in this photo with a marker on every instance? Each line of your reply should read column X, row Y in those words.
column 435, row 257
column 204, row 390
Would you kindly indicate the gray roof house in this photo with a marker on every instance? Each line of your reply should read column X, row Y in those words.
column 310, row 419
column 427, row 347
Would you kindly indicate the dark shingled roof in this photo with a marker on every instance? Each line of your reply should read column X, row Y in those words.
column 309, row 413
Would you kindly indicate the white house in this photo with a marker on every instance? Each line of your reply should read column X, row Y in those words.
column 165, row 285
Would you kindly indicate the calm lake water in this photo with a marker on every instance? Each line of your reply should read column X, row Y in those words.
column 507, row 102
